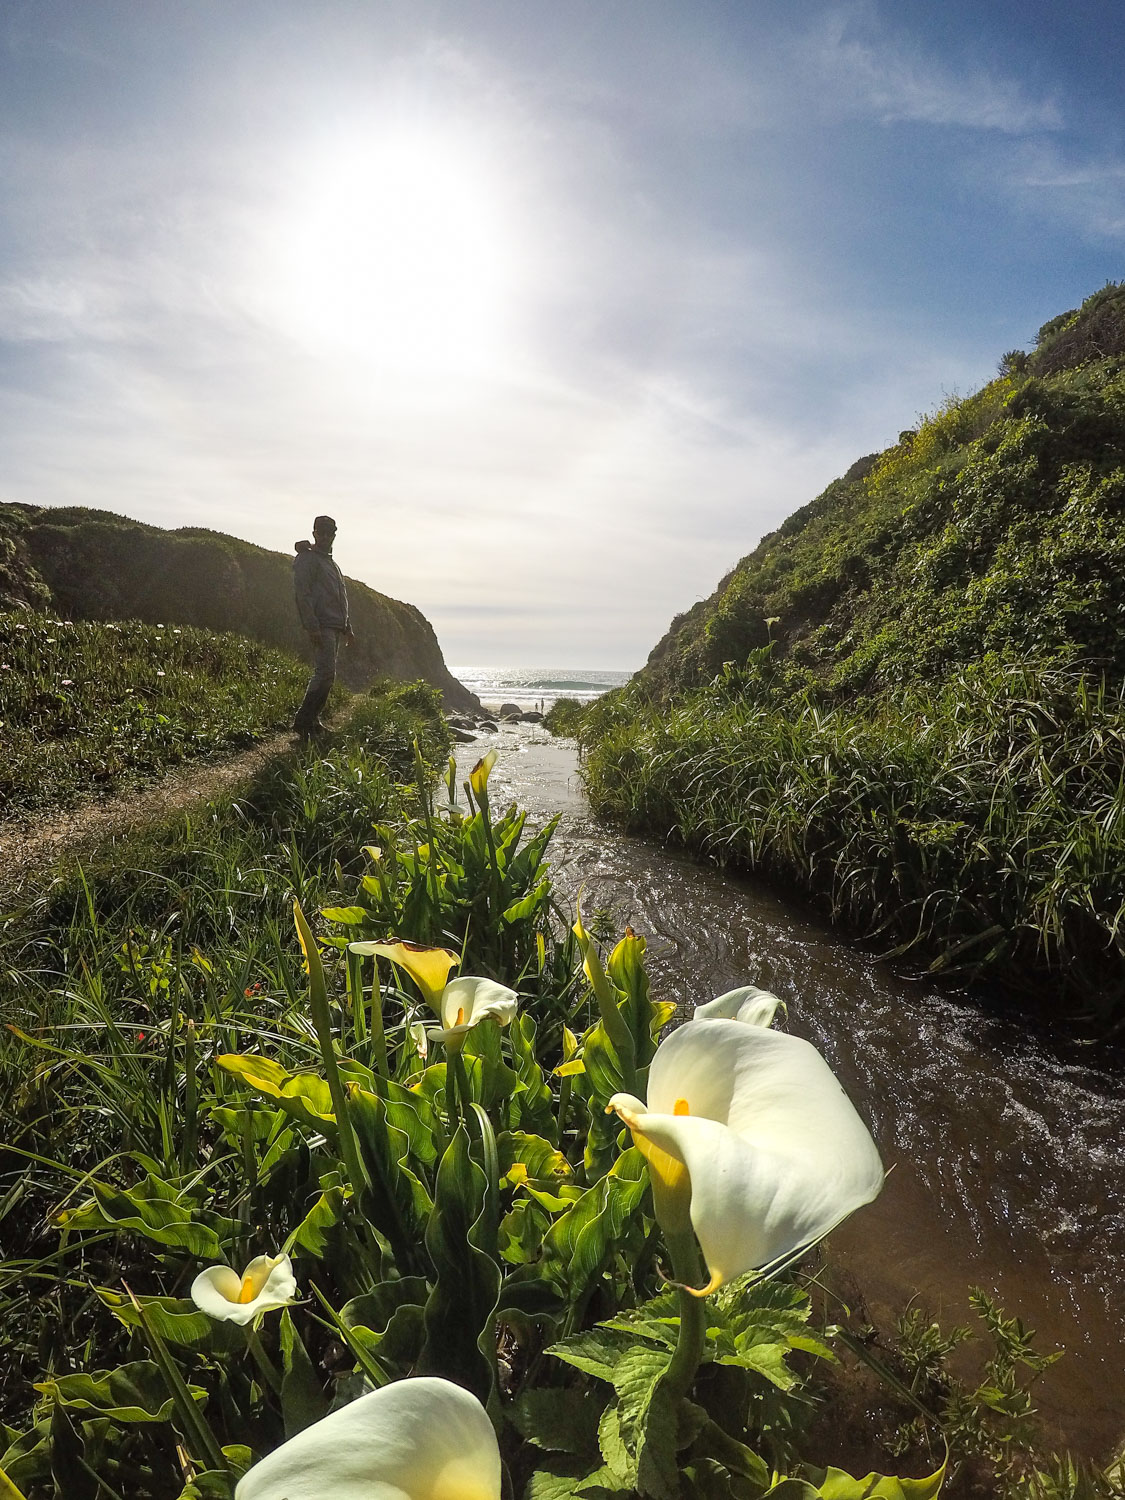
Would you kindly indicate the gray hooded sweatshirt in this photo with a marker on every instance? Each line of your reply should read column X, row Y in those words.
column 322, row 599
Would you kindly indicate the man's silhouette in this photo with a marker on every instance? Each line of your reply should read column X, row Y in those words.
column 322, row 602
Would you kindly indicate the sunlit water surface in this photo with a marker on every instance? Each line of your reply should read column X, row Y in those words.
column 1007, row 1159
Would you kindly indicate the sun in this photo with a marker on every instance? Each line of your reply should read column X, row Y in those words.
column 395, row 249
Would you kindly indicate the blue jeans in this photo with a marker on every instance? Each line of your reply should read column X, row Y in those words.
column 320, row 683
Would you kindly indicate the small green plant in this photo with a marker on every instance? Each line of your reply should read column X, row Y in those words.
column 564, row 717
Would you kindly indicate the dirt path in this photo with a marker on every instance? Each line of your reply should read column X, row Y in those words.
column 30, row 847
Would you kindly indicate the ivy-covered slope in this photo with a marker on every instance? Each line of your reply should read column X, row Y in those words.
column 94, row 565
column 997, row 526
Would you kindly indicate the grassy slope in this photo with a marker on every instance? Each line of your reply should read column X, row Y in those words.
column 88, row 707
column 907, row 699
column 996, row 526
column 100, row 566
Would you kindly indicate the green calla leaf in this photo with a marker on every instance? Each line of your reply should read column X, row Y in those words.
column 304, row 1096
column 133, row 1393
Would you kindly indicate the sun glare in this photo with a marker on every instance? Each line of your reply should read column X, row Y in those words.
column 396, row 250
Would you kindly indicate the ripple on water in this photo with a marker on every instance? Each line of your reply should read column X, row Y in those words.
column 1007, row 1159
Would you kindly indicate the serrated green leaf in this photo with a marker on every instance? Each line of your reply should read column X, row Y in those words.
column 562, row 1421
column 596, row 1351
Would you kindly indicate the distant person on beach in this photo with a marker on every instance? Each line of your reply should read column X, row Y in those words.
column 322, row 602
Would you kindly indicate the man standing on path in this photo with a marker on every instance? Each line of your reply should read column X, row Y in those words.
column 322, row 602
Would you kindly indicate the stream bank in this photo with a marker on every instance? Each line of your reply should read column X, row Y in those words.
column 1006, row 1157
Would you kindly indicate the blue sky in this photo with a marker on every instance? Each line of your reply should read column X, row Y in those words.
column 557, row 307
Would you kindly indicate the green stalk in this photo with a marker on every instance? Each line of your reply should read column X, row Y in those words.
column 366, row 1361
column 377, row 1032
column 456, row 1081
column 262, row 1359
column 428, row 819
column 691, row 1341
column 195, row 1425
column 322, row 1021
column 191, row 1098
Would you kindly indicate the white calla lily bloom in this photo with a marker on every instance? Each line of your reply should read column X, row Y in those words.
column 468, row 1001
column 751, row 1142
column 267, row 1284
column 418, row 1439
column 749, row 1004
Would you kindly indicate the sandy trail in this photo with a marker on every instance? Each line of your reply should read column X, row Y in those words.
column 31, row 847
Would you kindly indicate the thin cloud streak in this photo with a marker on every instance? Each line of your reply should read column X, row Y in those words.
column 673, row 360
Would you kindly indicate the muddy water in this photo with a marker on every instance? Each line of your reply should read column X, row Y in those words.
column 1009, row 1161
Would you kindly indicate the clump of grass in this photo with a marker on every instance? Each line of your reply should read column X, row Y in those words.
column 87, row 707
column 978, row 827
column 564, row 716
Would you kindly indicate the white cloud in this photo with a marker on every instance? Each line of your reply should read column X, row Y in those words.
column 1088, row 193
column 858, row 72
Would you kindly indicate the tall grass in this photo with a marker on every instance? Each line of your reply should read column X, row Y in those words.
column 86, row 707
column 977, row 826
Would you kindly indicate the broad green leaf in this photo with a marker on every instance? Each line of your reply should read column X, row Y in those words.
column 374, row 1309
column 528, row 905
column 304, row 1096
column 313, row 1234
column 460, row 1341
column 560, row 1420
column 133, row 1393
column 350, row 916
column 152, row 1210
column 835, row 1484
column 8, row 1490
column 524, row 1157
column 69, row 1468
column 398, row 1204
column 533, row 1106
column 177, row 1321
column 303, row 1401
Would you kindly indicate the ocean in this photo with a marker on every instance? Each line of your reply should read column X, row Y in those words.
column 537, row 687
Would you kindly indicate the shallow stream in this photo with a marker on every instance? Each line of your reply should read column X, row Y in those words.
column 1007, row 1159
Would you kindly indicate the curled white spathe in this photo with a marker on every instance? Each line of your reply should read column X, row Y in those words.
column 748, row 1131
column 418, row 1439
column 467, row 1001
column 749, row 1004
column 266, row 1284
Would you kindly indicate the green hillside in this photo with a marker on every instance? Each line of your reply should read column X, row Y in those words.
column 995, row 526
column 907, row 701
column 93, row 565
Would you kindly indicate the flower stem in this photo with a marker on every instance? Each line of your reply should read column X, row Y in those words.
column 692, row 1338
column 262, row 1360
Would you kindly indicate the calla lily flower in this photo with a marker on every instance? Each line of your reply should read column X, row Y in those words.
column 468, row 1001
column 478, row 776
column 461, row 1003
column 418, row 1439
column 266, row 1284
column 428, row 967
column 749, row 1004
column 750, row 1141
